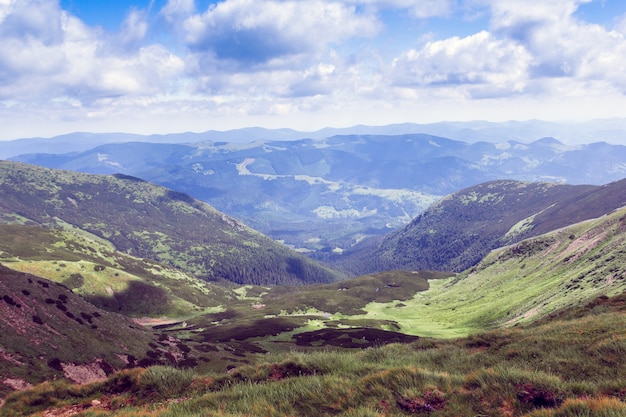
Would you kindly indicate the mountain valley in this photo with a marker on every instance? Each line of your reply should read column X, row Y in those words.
column 504, row 297
column 324, row 195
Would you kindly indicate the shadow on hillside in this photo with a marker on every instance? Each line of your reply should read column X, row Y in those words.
column 139, row 298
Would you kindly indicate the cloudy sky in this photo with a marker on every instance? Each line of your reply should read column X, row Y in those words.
column 158, row 66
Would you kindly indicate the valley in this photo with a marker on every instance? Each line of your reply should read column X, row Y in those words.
column 323, row 195
column 122, row 297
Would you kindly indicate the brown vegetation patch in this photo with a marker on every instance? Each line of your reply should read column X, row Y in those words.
column 539, row 397
column 352, row 338
column 428, row 401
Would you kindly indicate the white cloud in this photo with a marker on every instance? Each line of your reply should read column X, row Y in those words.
column 73, row 60
column 259, row 32
column 572, row 53
column 480, row 65
column 134, row 27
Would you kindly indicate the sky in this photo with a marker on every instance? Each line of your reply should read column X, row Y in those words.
column 167, row 66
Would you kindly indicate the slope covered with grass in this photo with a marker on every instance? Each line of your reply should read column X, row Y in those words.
column 459, row 230
column 150, row 221
column 105, row 277
column 48, row 332
column 521, row 282
column 567, row 366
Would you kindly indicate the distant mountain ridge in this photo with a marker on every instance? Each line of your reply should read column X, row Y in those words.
column 608, row 130
column 459, row 230
column 326, row 194
column 150, row 221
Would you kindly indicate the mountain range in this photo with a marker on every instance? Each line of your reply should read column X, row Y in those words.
column 325, row 195
column 476, row 341
column 607, row 130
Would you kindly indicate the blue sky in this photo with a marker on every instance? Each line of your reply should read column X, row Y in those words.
column 165, row 66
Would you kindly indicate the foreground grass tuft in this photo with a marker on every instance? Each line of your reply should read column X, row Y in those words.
column 165, row 381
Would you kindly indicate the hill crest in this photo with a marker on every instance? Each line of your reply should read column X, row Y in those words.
column 459, row 230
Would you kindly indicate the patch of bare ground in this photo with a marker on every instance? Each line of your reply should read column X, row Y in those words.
column 154, row 321
column 16, row 383
column 528, row 314
column 82, row 374
column 583, row 244
column 76, row 409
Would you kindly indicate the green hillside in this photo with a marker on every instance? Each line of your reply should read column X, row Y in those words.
column 520, row 283
column 150, row 221
column 568, row 366
column 48, row 332
column 459, row 230
column 105, row 277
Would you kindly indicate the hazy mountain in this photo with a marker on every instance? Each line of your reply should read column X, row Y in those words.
column 150, row 221
column 607, row 130
column 326, row 194
column 460, row 229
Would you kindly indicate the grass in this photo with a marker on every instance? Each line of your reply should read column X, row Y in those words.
column 107, row 278
column 487, row 360
column 569, row 365
column 518, row 284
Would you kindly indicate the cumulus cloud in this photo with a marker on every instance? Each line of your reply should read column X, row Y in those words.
column 257, row 32
column 481, row 63
column 48, row 54
column 561, row 46
column 532, row 47
column 23, row 20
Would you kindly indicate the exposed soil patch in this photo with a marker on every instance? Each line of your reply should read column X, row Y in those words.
column 151, row 321
column 81, row 374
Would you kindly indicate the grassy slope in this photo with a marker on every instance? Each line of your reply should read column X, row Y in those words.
column 44, row 325
column 105, row 277
column 459, row 230
column 521, row 282
column 150, row 221
column 566, row 366
column 516, row 284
